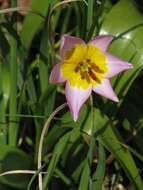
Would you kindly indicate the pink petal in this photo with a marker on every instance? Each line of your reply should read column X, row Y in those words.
column 102, row 41
column 116, row 65
column 56, row 76
column 76, row 98
column 105, row 89
column 68, row 42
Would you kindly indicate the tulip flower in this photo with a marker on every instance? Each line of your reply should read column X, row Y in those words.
column 86, row 67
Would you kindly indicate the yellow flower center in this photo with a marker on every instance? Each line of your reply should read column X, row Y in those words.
column 84, row 66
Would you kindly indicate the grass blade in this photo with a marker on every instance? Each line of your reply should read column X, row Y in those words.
column 2, row 111
column 13, row 127
column 89, row 15
column 98, row 176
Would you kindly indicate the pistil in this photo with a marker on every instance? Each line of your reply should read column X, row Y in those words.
column 77, row 68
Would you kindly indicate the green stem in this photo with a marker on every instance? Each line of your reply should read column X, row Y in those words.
column 13, row 127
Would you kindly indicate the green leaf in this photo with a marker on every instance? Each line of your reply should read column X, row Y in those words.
column 34, row 20
column 73, row 154
column 60, row 146
column 116, row 22
column 128, row 29
column 89, row 15
column 85, row 177
column 65, row 121
column 48, row 91
column 106, row 135
column 14, row 159
column 98, row 176
column 132, row 117
column 13, row 126
column 4, row 96
column 53, row 136
column 5, row 82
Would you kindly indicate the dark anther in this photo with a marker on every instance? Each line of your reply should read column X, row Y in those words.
column 80, row 63
column 93, row 76
column 96, row 68
column 77, row 69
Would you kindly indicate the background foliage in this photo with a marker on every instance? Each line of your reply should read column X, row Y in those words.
column 103, row 149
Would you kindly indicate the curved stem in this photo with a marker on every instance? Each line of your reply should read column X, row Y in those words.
column 45, row 128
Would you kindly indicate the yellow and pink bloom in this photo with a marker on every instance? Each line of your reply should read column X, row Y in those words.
column 86, row 67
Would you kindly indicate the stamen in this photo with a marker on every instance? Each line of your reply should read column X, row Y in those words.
column 87, row 70
column 88, row 60
column 77, row 69
column 81, row 64
column 82, row 75
column 96, row 68
column 87, row 77
column 93, row 76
